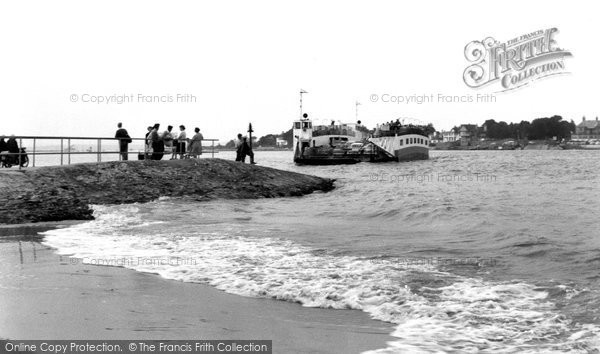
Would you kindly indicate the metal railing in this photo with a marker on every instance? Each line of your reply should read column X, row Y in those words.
column 68, row 152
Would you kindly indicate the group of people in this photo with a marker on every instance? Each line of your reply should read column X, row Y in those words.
column 11, row 146
column 160, row 143
column 243, row 149
column 8, row 148
column 391, row 125
column 178, row 144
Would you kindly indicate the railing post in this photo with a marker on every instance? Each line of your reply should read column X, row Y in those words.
column 98, row 147
column 61, row 150
column 33, row 152
column 69, row 147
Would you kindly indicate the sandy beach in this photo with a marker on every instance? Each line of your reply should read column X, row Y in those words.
column 45, row 296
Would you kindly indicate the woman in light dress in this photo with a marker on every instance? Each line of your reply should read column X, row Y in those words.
column 195, row 148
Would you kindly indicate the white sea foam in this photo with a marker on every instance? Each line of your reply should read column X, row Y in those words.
column 453, row 314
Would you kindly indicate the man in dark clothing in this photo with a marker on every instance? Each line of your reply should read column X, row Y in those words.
column 3, row 148
column 12, row 146
column 158, row 146
column 124, row 140
column 238, row 148
column 13, row 149
column 246, row 150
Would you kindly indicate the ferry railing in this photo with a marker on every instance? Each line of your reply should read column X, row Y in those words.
column 68, row 152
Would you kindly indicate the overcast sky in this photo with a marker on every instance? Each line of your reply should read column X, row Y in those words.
column 245, row 61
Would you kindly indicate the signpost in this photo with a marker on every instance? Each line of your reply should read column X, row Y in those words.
column 250, row 133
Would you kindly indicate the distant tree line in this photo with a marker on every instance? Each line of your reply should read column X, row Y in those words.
column 271, row 139
column 538, row 129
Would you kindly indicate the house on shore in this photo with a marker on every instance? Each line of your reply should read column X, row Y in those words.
column 468, row 133
column 587, row 129
column 449, row 136
column 280, row 142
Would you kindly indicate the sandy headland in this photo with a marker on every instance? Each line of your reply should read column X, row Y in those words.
column 58, row 193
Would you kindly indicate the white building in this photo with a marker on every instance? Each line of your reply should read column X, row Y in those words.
column 281, row 142
column 450, row 136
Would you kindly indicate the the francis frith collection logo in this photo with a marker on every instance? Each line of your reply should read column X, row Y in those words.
column 514, row 63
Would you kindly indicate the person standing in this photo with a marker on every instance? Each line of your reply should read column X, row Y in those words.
column 158, row 147
column 181, row 140
column 250, row 152
column 3, row 144
column 13, row 149
column 3, row 148
column 196, row 143
column 12, row 146
column 238, row 148
column 167, row 138
column 246, row 150
column 175, row 148
column 124, row 141
column 148, row 144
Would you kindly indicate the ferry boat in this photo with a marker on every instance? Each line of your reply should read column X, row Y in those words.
column 352, row 143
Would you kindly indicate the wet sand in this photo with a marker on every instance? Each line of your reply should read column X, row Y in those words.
column 45, row 296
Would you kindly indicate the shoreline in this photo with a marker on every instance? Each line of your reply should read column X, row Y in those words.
column 39, row 287
column 57, row 193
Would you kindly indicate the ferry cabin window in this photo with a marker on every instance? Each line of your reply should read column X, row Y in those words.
column 297, row 125
column 305, row 125
column 401, row 142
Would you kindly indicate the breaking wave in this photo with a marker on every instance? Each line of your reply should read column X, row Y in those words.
column 434, row 310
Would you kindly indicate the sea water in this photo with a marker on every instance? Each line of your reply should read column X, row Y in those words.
column 469, row 251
